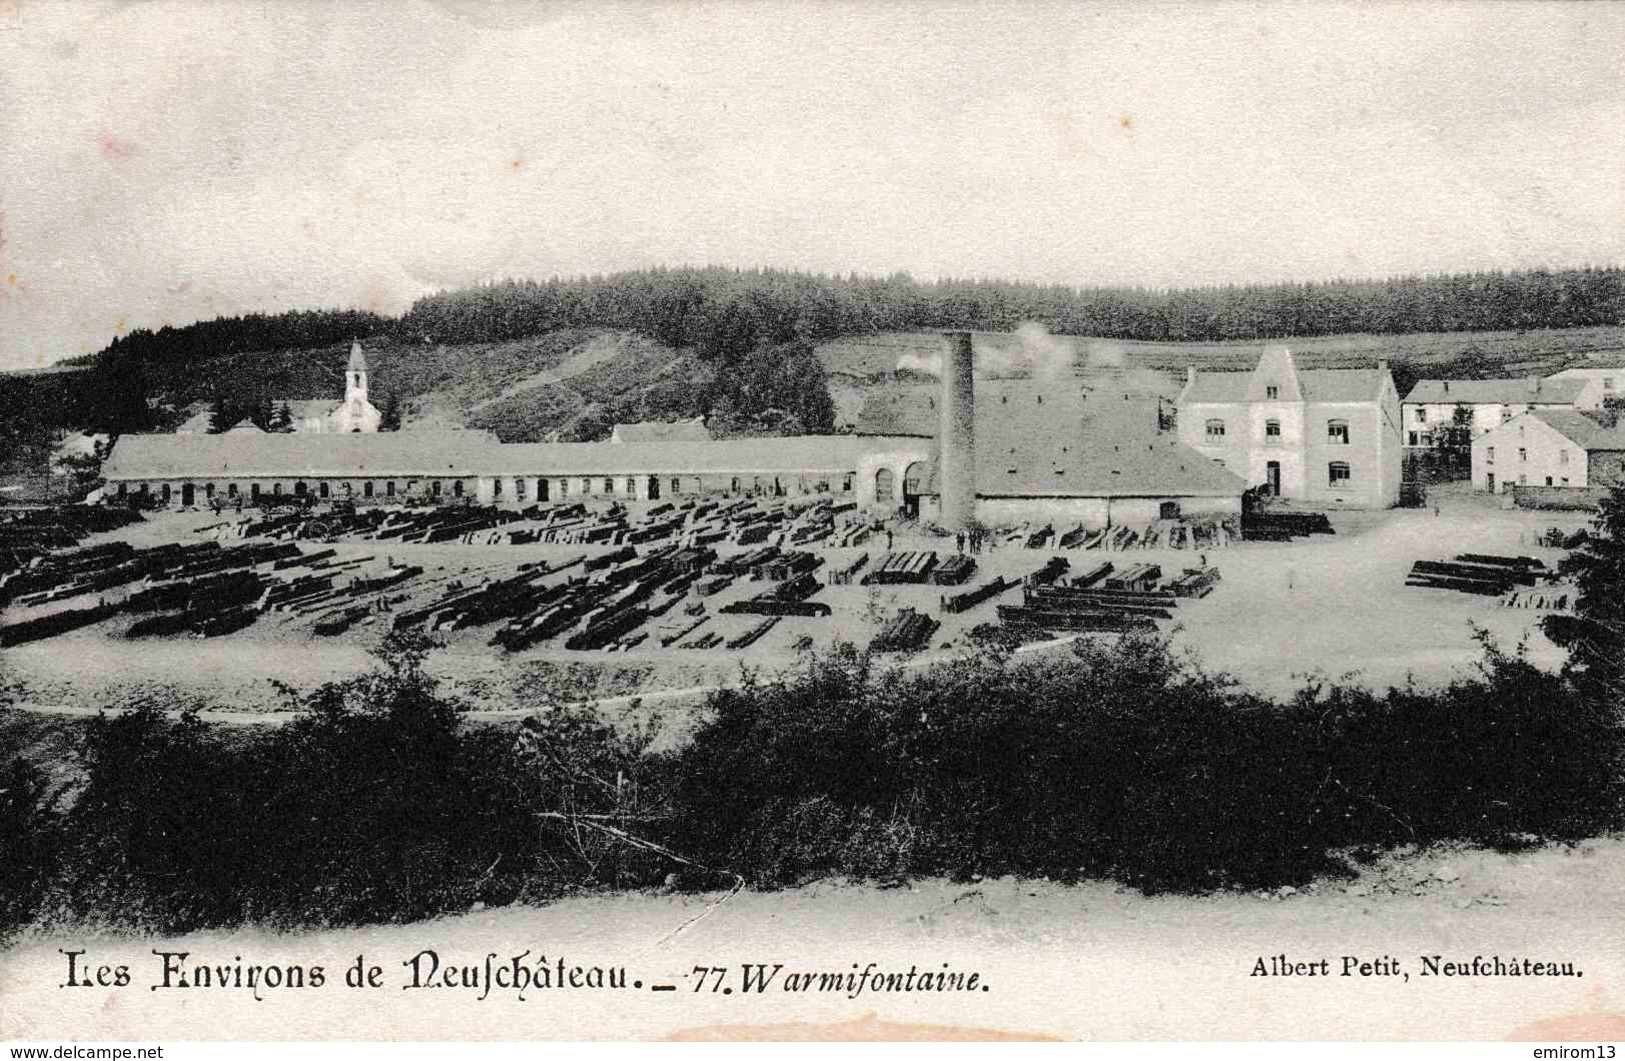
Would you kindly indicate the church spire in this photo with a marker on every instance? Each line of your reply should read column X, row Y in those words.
column 355, row 377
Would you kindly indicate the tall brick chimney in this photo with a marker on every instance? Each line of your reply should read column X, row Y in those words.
column 956, row 434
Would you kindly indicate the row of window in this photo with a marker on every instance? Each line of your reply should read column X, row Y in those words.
column 437, row 488
column 1337, row 431
column 300, row 489
column 1523, row 456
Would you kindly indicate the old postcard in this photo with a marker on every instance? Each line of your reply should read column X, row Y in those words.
column 811, row 521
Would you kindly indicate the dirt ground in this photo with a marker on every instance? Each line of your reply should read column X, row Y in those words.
column 1074, row 961
column 1334, row 606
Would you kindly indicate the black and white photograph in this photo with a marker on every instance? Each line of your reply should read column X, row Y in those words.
column 816, row 521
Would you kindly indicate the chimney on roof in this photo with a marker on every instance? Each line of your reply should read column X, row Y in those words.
column 1447, row 386
column 1382, row 364
column 1190, row 375
column 1534, row 384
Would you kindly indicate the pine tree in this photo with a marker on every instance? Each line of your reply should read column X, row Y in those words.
column 223, row 414
column 1595, row 634
column 390, row 420
column 282, row 419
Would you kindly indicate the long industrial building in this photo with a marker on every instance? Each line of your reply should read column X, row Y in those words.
column 990, row 452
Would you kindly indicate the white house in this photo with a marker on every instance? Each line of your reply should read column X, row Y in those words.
column 1432, row 403
column 1558, row 448
column 1612, row 380
column 1312, row 434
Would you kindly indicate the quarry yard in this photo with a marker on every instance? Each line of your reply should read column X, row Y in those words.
column 1334, row 606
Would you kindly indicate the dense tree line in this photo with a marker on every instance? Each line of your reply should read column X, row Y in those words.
column 724, row 313
column 293, row 330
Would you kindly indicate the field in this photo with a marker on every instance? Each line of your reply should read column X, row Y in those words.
column 1335, row 606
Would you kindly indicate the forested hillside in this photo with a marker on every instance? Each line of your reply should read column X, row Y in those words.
column 737, row 344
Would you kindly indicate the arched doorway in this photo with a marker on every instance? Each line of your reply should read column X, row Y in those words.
column 885, row 490
column 914, row 484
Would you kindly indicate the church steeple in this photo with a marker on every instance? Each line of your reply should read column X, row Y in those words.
column 355, row 378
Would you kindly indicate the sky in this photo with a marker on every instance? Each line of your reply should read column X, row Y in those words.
column 168, row 162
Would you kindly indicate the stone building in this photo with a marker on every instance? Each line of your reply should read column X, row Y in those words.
column 1556, row 448
column 1322, row 435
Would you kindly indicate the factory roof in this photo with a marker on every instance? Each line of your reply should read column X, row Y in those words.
column 255, row 453
column 1036, row 441
column 469, row 453
column 1496, row 391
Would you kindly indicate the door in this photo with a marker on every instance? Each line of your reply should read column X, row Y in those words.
column 187, row 494
column 654, row 488
column 543, row 488
column 1272, row 478
column 1489, row 482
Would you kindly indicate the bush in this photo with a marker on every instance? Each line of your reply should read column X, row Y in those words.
column 1119, row 760
column 29, row 835
column 1126, row 762
column 376, row 806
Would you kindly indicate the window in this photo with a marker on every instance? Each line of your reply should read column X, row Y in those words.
column 1338, row 472
column 322, row 488
column 519, row 489
column 456, row 488
column 676, row 485
column 1272, row 432
column 434, row 488
column 276, row 489
column 1413, row 438
column 1489, row 454
column 366, row 488
column 208, row 490
column 1523, row 455
column 1562, row 456
column 609, row 486
column 1272, row 392
column 496, row 487
column 299, row 488
column 1215, row 429
column 231, row 489
column 389, row 488
column 1548, row 480
column 631, row 488
column 1337, row 432
column 846, row 483
column 1421, row 414
column 254, row 491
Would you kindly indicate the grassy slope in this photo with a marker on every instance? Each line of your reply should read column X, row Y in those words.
column 523, row 389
